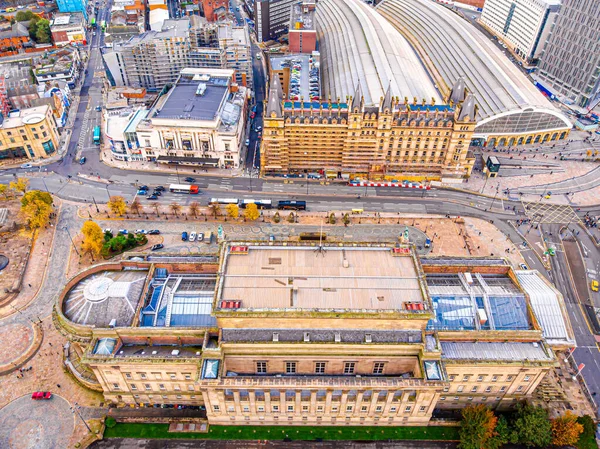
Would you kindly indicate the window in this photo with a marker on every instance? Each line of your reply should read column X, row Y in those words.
column 173, row 376
column 157, row 376
column 502, row 389
column 408, row 408
column 260, row 408
column 176, row 387
column 466, row 377
column 290, row 367
column 133, row 387
column 422, row 408
column 305, row 408
column 494, row 378
column 190, row 388
column 452, row 377
column 320, row 408
column 216, row 409
column 526, row 378
column 379, row 409
column 480, row 378
column 161, row 386
column 520, row 388
column 187, row 376
column 290, row 409
column 246, row 408
column 147, row 387
column 442, row 398
column 349, row 367
column 460, row 388
column 127, row 375
column 349, row 408
column 261, row 367
column 488, row 389
column 319, row 367
column 378, row 367
column 116, row 387
column 230, row 409
column 446, row 389
column 474, row 389
column 509, row 378
column 470, row 398
column 364, row 408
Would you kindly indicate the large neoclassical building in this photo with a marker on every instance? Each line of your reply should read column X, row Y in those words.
column 297, row 333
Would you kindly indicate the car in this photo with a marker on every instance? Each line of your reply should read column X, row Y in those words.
column 108, row 231
column 192, row 237
column 39, row 395
column 259, row 135
column 258, row 128
column 247, row 142
column 94, row 33
column 594, row 286
column 159, row 189
column 200, row 236
column 82, row 160
column 189, row 179
column 143, row 188
column 184, row 236
column 141, row 231
column 258, row 57
column 157, row 192
column 152, row 197
column 154, row 232
column 473, row 17
column 26, row 166
column 157, row 246
column 271, row 238
column 98, row 108
column 142, row 192
column 123, row 231
column 522, row 266
column 252, row 114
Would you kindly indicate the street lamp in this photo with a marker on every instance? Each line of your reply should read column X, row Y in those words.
column 72, row 242
column 75, row 409
column 177, row 172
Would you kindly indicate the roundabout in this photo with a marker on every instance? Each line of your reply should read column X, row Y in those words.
column 28, row 424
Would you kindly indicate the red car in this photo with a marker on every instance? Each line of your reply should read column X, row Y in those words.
column 38, row 395
column 252, row 114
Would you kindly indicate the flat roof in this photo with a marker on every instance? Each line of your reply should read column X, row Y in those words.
column 279, row 62
column 455, row 48
column 359, row 46
column 301, row 277
column 495, row 351
column 184, row 101
column 302, row 17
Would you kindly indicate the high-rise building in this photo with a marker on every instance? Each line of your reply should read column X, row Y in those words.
column 570, row 62
column 523, row 24
column 73, row 6
column 272, row 18
column 302, row 34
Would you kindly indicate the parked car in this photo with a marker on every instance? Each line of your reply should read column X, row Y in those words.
column 200, row 236
column 247, row 142
column 594, row 286
column 192, row 237
column 143, row 188
column 157, row 193
column 523, row 266
column 98, row 108
column 123, row 231
column 252, row 114
column 159, row 188
column 157, row 246
column 154, row 232
column 184, row 236
column 258, row 128
column 142, row 192
column 189, row 179
column 82, row 160
column 152, row 197
column 38, row 395
column 26, row 166
column 141, row 231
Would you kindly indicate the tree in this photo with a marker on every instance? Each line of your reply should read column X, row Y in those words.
column 175, row 208
column 23, row 16
column 42, row 31
column 20, row 185
column 136, row 207
column 566, row 430
column 194, row 208
column 531, row 426
column 156, row 206
column 233, row 210
column 251, row 212
column 215, row 209
column 276, row 217
column 331, row 218
column 93, row 238
column 117, row 205
column 477, row 428
column 291, row 218
column 36, row 207
column 4, row 190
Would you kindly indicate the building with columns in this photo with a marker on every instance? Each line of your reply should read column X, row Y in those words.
column 199, row 122
column 309, row 334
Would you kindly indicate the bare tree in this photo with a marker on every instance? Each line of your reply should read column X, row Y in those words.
column 175, row 208
column 194, row 208
column 136, row 207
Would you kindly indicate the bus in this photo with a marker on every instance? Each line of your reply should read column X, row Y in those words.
column 97, row 135
column 94, row 22
column 291, row 205
column 314, row 236
column 184, row 188
column 223, row 201
column 261, row 204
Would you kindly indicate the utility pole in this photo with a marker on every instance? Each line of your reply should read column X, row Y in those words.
column 94, row 199
column 75, row 409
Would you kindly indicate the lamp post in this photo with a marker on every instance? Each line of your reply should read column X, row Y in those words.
column 72, row 242
column 75, row 409
column 97, row 210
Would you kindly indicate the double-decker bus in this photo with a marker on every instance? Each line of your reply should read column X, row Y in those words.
column 97, row 135
column 291, row 205
column 261, row 204
column 184, row 188
column 223, row 201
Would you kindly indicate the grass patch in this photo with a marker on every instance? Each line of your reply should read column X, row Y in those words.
column 138, row 430
column 587, row 440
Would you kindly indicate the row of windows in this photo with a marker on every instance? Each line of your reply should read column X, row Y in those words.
column 156, row 376
column 482, row 377
column 488, row 389
column 350, row 408
column 319, row 367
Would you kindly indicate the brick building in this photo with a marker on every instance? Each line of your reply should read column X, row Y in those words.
column 302, row 33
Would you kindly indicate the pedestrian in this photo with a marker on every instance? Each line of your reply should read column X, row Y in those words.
column 58, row 385
column 50, row 343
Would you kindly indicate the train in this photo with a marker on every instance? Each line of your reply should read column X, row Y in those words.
column 261, row 204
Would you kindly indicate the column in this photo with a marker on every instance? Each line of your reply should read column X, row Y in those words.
column 298, row 405
column 236, row 402
column 343, row 402
column 313, row 403
column 268, row 411
column 388, row 402
column 328, row 402
column 252, row 398
column 374, row 398
column 359, row 403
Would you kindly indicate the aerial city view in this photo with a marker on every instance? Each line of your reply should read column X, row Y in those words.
column 299, row 224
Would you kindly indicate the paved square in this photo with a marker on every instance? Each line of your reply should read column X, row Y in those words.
column 549, row 213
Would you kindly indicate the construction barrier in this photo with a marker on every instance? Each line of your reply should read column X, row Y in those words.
column 388, row 184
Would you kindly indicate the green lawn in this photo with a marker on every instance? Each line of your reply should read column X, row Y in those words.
column 123, row 430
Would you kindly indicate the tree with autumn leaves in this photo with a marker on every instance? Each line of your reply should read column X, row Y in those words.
column 528, row 425
column 36, row 207
column 93, row 238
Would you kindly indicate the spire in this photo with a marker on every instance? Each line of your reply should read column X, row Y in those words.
column 468, row 109
column 387, row 100
column 457, row 94
column 356, row 100
column 275, row 96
